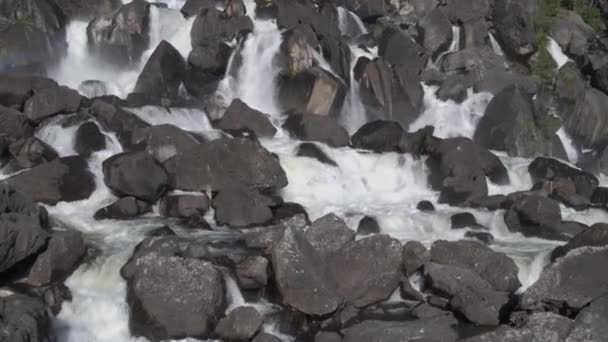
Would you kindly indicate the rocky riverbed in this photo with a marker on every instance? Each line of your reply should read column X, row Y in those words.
column 303, row 170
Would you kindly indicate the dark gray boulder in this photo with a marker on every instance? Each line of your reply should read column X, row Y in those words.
column 265, row 337
column 483, row 237
column 570, row 283
column 78, row 9
column 121, row 37
column 311, row 127
column 297, row 50
column 30, row 152
column 123, row 175
column 467, row 11
column 514, row 21
column 396, row 47
column 456, row 170
column 537, row 216
column 468, row 293
column 587, row 124
column 413, row 257
column 589, row 324
column 239, row 116
column 438, row 329
column 300, row 275
column 184, row 205
column 495, row 268
column 117, row 120
column 242, row 207
column 194, row 7
column 21, row 238
column 541, row 327
column 510, row 124
column 463, row 220
column 124, row 209
column 64, row 179
column 163, row 74
column 62, row 256
column 367, row 271
column 162, row 287
column 594, row 236
column 14, row 124
column 224, row 162
column 25, row 318
column 549, row 169
column 435, row 31
column 379, row 136
column 240, row 324
column 163, row 142
column 89, row 139
column 425, row 206
column 213, row 25
column 572, row 34
column 367, row 226
column 252, row 272
column 328, row 234
column 17, row 89
column 288, row 210
column 51, row 101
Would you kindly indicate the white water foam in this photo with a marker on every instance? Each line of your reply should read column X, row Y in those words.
column 557, row 54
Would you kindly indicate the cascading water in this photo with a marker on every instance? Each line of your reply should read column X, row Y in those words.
column 386, row 186
column 556, row 52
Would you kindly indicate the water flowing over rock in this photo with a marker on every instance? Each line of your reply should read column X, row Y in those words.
column 121, row 37
column 117, row 120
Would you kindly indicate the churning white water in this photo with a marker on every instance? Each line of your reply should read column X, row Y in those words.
column 556, row 52
column 386, row 186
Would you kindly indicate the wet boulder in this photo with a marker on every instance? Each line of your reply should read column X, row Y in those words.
column 367, row 271
column 369, row 10
column 184, row 205
column 252, row 272
column 311, row 150
column 467, row 11
column 483, row 237
column 25, row 318
column 594, row 236
column 289, row 210
column 588, row 124
column 389, row 92
column 155, row 274
column 289, row 14
column 121, row 38
column 425, row 206
column 324, row 129
column 549, row 169
column 495, row 268
column 224, row 162
column 337, row 53
column 379, row 136
column 123, row 209
column 163, row 142
column 367, row 226
column 64, row 179
column 89, row 139
column 396, row 47
column 163, row 74
column 537, row 216
column 62, row 256
column 123, row 175
column 328, row 234
column 242, row 207
column 117, row 120
column 313, row 91
column 51, row 101
column 30, row 152
column 265, row 337
column 540, row 327
column 206, row 67
column 570, row 283
column 440, row 328
column 301, row 277
column 13, row 201
column 463, row 220
column 456, row 170
column 468, row 293
column 569, row 89
column 572, row 34
column 413, row 256
column 510, row 124
column 212, row 25
column 240, row 324
column 14, row 124
column 239, row 116
column 435, row 31
column 515, row 22
column 21, row 239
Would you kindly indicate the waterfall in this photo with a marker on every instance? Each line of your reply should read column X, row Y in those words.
column 454, row 47
column 495, row 46
column 350, row 24
column 556, row 52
